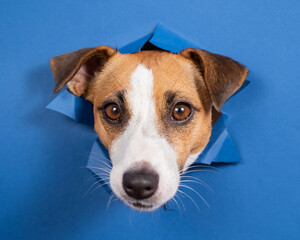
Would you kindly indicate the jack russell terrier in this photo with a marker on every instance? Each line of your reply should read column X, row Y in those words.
column 153, row 111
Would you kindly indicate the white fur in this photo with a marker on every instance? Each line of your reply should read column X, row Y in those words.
column 141, row 142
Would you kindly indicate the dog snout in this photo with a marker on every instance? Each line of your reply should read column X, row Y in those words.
column 140, row 185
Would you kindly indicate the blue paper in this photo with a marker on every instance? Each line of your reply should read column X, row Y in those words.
column 167, row 40
column 136, row 45
column 74, row 107
column 220, row 148
column 162, row 38
column 42, row 181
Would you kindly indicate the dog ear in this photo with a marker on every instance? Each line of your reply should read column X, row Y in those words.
column 77, row 69
column 222, row 75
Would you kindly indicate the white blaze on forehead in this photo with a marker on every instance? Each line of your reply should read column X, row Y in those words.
column 138, row 136
column 141, row 98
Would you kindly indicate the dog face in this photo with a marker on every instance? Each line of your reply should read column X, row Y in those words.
column 152, row 110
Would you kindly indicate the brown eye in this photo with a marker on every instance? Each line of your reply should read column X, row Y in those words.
column 181, row 111
column 113, row 111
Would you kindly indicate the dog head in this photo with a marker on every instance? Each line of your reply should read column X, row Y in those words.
column 153, row 111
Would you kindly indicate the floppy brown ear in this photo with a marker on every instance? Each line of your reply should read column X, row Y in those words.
column 222, row 75
column 77, row 69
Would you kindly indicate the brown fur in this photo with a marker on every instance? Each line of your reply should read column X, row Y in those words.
column 203, row 79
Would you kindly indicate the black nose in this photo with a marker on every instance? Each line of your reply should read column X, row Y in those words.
column 140, row 185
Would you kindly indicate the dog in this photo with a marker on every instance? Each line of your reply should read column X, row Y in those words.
column 153, row 111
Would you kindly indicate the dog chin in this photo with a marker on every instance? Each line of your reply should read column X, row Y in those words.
column 143, row 207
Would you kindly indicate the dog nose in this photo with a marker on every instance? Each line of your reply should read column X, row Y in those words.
column 140, row 185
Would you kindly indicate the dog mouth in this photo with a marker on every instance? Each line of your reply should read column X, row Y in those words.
column 141, row 206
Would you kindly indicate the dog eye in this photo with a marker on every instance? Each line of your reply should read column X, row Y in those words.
column 181, row 111
column 113, row 111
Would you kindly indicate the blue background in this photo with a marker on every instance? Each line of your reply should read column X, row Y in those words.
column 42, row 182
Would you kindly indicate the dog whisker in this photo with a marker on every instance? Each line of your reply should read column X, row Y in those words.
column 102, row 169
column 104, row 179
column 101, row 156
column 101, row 162
column 202, row 169
column 177, row 195
column 202, row 166
column 173, row 198
column 197, row 179
column 102, row 176
column 86, row 193
column 109, row 166
column 179, row 198
column 96, row 157
column 197, row 194
column 201, row 183
column 89, row 189
column 199, row 170
column 190, row 199
column 100, row 185
column 110, row 200
column 101, row 173
column 90, row 178
column 95, row 167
